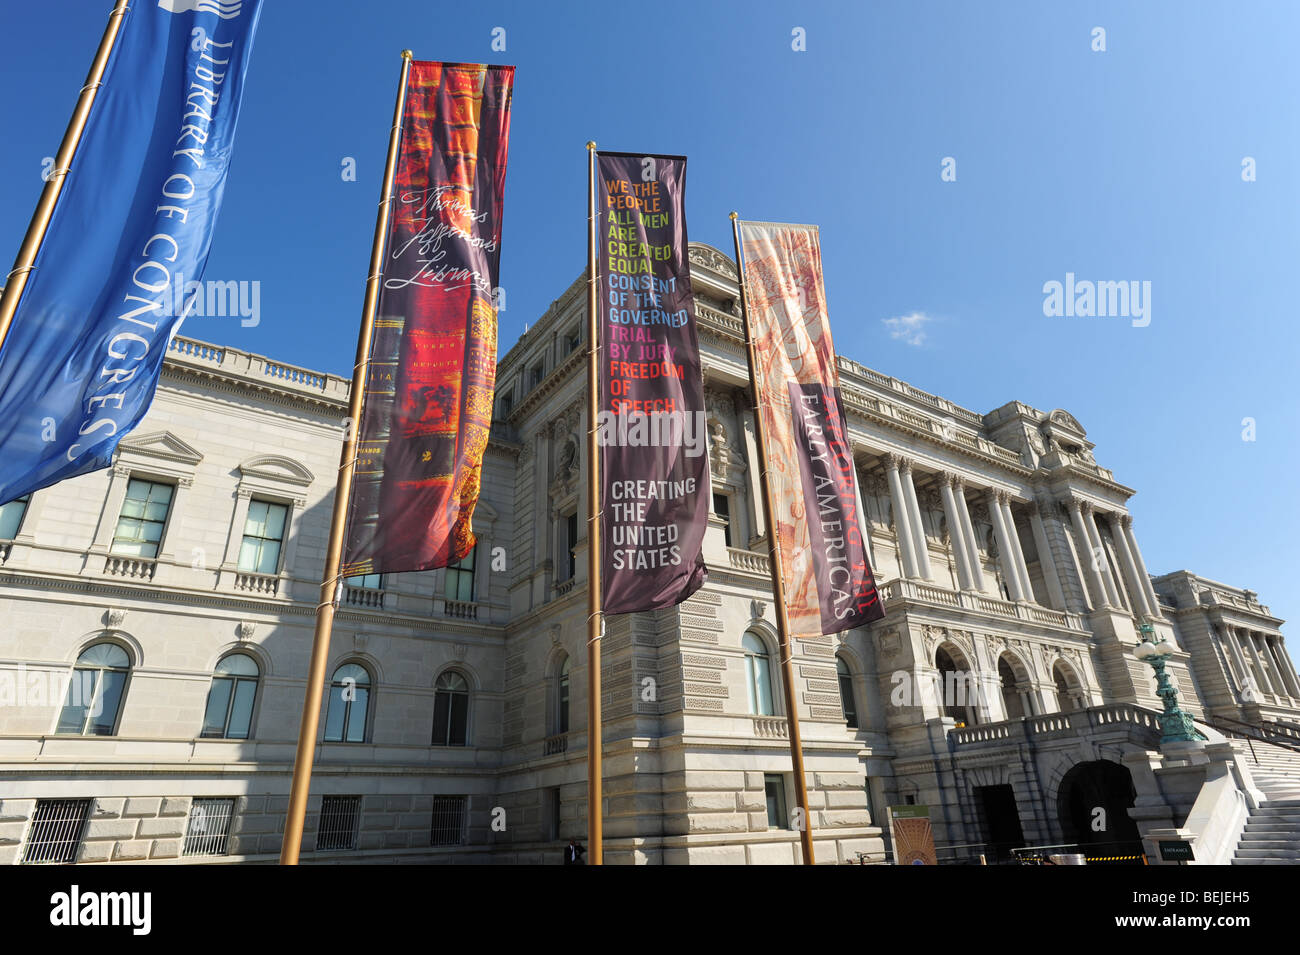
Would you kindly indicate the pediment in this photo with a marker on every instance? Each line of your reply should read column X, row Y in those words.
column 161, row 445
column 1066, row 420
column 275, row 467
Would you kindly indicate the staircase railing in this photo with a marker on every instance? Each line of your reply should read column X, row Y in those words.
column 1252, row 733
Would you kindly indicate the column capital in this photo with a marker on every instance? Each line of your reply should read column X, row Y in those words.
column 947, row 479
column 1125, row 520
column 1085, row 507
column 894, row 462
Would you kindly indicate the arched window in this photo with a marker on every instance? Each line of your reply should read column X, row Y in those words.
column 958, row 687
column 847, row 700
column 230, row 700
column 95, row 692
column 1012, row 700
column 450, row 709
column 1069, row 693
column 562, row 699
column 349, row 705
column 758, row 675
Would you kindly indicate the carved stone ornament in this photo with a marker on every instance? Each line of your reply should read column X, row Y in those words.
column 113, row 617
column 458, row 651
column 245, row 630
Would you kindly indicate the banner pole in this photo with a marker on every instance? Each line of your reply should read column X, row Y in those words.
column 330, row 582
column 774, row 562
column 595, row 618
column 36, row 229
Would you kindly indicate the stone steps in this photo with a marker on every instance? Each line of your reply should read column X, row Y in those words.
column 1272, row 833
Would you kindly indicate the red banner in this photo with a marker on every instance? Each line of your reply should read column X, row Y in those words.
column 428, row 399
column 816, row 507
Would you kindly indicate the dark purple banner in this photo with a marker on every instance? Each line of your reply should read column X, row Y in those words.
column 651, row 423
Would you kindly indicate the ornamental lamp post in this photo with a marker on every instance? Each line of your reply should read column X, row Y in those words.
column 1175, row 725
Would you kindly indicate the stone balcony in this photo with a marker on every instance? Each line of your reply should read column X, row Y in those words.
column 903, row 593
column 1139, row 724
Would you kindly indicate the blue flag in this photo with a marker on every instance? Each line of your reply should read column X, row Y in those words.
column 133, row 222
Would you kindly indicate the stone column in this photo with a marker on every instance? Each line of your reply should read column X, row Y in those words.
column 1055, row 593
column 920, row 549
column 1118, row 523
column 956, row 532
column 1285, row 675
column 1018, row 553
column 1099, row 555
column 1007, row 553
column 753, row 479
column 1286, row 660
column 1241, row 671
column 1098, row 596
column 1147, row 589
column 968, row 532
column 902, row 526
column 1265, row 678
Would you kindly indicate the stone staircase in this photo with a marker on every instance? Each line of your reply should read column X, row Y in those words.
column 1272, row 834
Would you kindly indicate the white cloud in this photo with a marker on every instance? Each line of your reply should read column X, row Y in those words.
column 910, row 329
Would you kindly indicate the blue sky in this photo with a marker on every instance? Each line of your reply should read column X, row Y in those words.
column 1117, row 165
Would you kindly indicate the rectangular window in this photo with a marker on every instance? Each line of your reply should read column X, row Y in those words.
column 57, row 827
column 367, row 581
column 572, row 341
column 507, row 404
column 554, row 806
column 570, row 542
column 722, row 507
column 774, row 790
column 209, row 827
column 535, row 375
column 11, row 517
column 338, row 823
column 448, row 820
column 144, row 513
column 459, row 581
column 263, row 537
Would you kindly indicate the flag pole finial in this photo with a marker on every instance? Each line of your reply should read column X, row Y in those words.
column 734, row 215
column 407, row 54
column 591, row 144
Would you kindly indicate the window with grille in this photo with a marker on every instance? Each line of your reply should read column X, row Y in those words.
column 56, row 831
column 448, row 820
column 144, row 514
column 338, row 823
column 209, row 827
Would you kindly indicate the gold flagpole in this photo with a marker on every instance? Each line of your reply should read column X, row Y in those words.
column 595, row 621
column 330, row 581
column 17, row 279
column 774, row 560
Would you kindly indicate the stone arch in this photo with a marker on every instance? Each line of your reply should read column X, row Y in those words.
column 1091, row 803
column 256, row 651
column 958, row 683
column 108, row 635
column 464, row 669
column 1016, row 682
column 1071, row 692
column 366, row 660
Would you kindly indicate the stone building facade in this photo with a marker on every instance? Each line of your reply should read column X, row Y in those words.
column 175, row 593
